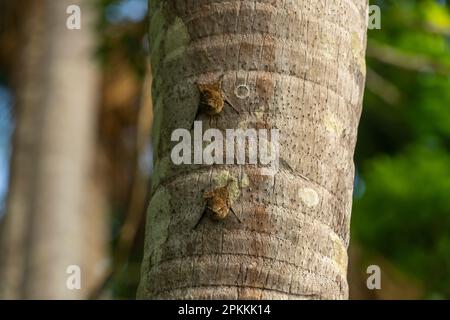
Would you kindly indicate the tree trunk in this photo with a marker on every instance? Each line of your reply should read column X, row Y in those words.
column 55, row 216
column 28, row 98
column 296, row 66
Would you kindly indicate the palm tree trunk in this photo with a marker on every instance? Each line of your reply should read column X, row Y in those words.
column 297, row 66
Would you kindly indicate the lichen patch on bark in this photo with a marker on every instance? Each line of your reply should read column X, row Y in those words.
column 358, row 51
column 333, row 124
column 340, row 254
column 176, row 40
column 158, row 220
column 224, row 178
column 309, row 197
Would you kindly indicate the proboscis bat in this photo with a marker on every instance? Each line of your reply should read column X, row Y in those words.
column 218, row 204
column 212, row 99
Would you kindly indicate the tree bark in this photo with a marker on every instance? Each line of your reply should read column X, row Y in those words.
column 297, row 66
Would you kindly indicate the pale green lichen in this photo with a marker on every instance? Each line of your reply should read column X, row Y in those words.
column 176, row 40
column 154, row 4
column 245, row 181
column 169, row 37
column 158, row 220
column 168, row 42
column 243, row 124
column 223, row 178
column 332, row 124
column 309, row 197
column 156, row 36
column 162, row 168
column 157, row 231
column 157, row 22
column 358, row 52
column 157, row 121
column 340, row 256
column 156, row 53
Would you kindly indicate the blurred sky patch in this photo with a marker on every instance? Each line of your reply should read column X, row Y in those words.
column 5, row 142
column 134, row 10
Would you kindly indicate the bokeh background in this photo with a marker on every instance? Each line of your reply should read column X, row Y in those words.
column 401, row 215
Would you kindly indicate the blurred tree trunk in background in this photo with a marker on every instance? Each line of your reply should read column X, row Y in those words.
column 28, row 101
column 56, row 207
column 293, row 65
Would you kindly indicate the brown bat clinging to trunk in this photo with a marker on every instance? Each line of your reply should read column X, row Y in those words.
column 218, row 203
column 212, row 99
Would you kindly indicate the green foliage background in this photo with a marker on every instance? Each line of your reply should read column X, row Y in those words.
column 402, row 205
